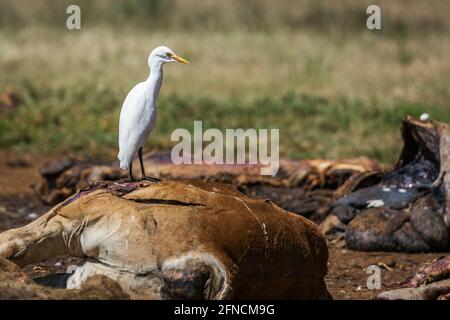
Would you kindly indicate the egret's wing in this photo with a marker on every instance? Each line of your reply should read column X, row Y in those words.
column 130, row 114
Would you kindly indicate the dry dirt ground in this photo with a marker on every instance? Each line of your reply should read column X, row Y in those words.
column 347, row 274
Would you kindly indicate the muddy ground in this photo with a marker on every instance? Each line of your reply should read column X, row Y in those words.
column 347, row 275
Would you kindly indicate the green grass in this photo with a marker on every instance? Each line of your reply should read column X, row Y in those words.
column 83, row 121
column 309, row 68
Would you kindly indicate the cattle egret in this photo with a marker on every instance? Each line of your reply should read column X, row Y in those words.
column 138, row 114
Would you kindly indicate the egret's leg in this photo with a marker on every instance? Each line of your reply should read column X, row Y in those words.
column 144, row 176
column 130, row 172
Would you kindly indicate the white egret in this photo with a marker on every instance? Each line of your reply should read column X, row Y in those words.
column 138, row 114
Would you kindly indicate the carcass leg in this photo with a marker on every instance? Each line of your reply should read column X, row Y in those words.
column 34, row 242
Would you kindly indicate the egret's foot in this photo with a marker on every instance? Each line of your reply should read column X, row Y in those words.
column 150, row 179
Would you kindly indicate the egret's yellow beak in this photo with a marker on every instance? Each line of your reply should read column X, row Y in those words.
column 180, row 59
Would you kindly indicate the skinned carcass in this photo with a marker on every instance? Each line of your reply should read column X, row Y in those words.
column 407, row 209
column 178, row 240
column 431, row 282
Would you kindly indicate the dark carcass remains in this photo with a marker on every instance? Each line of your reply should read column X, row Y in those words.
column 431, row 282
column 406, row 209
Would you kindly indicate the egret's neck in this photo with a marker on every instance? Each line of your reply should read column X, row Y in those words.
column 155, row 80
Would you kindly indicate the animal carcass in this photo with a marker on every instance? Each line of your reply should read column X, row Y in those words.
column 408, row 208
column 179, row 240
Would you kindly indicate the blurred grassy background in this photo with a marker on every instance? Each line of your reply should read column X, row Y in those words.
column 310, row 68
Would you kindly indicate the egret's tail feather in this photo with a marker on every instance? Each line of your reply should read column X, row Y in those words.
column 124, row 164
column 125, row 157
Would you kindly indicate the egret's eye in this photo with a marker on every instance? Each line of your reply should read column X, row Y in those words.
column 169, row 55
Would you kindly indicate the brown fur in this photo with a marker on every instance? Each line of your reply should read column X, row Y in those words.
column 220, row 243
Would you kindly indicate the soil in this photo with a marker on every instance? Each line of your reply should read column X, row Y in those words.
column 347, row 274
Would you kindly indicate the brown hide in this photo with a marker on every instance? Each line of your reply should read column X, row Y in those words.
column 188, row 239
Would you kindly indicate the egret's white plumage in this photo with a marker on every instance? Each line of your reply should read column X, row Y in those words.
column 138, row 114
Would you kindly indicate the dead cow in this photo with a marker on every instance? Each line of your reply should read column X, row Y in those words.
column 179, row 240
